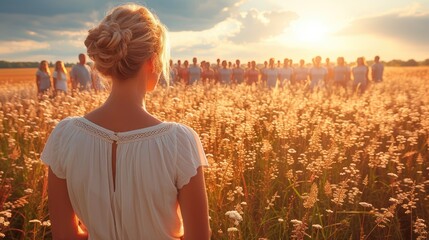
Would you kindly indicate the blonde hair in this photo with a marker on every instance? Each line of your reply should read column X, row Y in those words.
column 129, row 35
column 62, row 68
column 47, row 67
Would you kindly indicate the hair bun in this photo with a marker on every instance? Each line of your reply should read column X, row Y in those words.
column 113, row 40
column 125, row 38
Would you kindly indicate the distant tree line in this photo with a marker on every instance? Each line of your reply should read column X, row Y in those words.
column 392, row 63
column 6, row 64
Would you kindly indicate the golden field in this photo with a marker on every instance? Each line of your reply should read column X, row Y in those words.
column 284, row 163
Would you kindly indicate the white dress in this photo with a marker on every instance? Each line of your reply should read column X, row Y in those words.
column 151, row 165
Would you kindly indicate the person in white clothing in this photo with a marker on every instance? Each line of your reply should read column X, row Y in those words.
column 360, row 75
column 60, row 77
column 124, row 173
column 317, row 74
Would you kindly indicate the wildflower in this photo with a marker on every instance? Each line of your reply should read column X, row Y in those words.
column 295, row 221
column 365, row 204
column 317, row 226
column 28, row 191
column 280, row 220
column 232, row 229
column 392, row 175
column 35, row 221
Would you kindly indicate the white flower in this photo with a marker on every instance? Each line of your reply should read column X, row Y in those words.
column 295, row 221
column 28, row 191
column 35, row 221
column 317, row 226
column 365, row 204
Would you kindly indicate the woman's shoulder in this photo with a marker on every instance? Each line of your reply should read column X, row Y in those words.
column 64, row 123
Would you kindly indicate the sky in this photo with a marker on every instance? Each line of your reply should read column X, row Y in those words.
column 34, row 30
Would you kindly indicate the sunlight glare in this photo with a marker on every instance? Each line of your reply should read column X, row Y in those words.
column 310, row 31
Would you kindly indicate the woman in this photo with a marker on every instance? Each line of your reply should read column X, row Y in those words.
column 60, row 77
column 360, row 75
column 43, row 78
column 124, row 173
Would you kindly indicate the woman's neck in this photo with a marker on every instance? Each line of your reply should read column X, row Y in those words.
column 126, row 94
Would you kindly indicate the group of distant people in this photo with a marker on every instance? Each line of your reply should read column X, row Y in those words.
column 280, row 75
column 83, row 77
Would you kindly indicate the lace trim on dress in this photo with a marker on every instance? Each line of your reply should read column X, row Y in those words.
column 122, row 137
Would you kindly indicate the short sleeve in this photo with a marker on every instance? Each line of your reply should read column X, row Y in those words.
column 190, row 155
column 51, row 153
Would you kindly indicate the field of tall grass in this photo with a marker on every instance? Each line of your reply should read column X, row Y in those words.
column 284, row 163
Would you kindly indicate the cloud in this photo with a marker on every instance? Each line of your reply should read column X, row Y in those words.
column 176, row 14
column 256, row 25
column 405, row 26
column 38, row 28
column 193, row 15
column 7, row 47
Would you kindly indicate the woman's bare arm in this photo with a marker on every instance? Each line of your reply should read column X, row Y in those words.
column 63, row 219
column 194, row 208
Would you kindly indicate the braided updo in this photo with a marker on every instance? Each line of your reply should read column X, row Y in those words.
column 125, row 38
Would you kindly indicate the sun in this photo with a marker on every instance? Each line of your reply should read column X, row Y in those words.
column 310, row 31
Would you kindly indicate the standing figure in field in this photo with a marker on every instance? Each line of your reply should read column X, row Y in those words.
column 285, row 74
column 179, row 78
column 60, row 78
column 377, row 70
column 238, row 73
column 173, row 73
column 272, row 74
column 118, row 169
column 317, row 74
column 330, row 70
column 208, row 75
column 360, row 75
column 252, row 74
column 301, row 73
column 194, row 72
column 185, row 72
column 225, row 74
column 216, row 69
column 43, row 78
column 80, row 75
column 263, row 73
column 98, row 82
column 341, row 74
